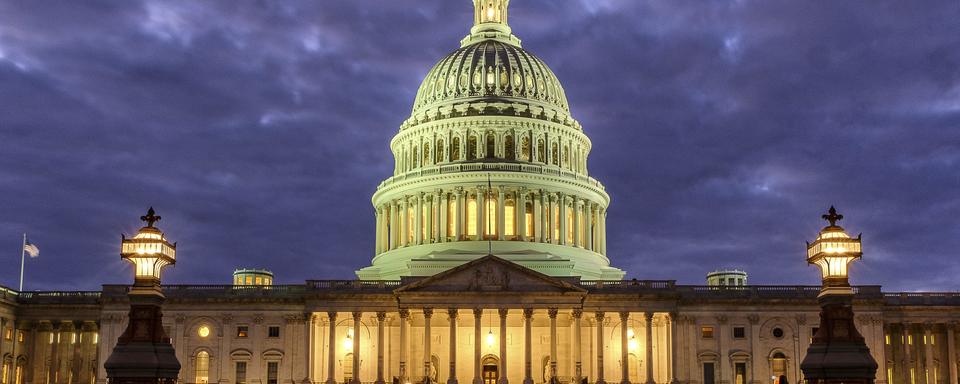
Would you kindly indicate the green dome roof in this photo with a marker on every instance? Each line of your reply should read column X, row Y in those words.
column 491, row 70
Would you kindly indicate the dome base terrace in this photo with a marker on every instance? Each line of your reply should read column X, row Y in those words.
column 549, row 259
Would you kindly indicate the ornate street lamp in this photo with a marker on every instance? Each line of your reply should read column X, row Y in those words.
column 143, row 353
column 838, row 353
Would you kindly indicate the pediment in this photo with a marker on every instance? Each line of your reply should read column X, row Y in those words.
column 490, row 274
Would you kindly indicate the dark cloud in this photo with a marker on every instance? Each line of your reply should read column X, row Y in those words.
column 259, row 130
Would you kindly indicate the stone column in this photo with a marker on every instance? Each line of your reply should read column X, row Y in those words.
column 552, row 312
column 501, row 210
column 674, row 345
column 404, row 314
column 54, row 353
column 648, row 319
column 754, row 320
column 78, row 341
column 576, row 222
column 928, row 353
column 521, row 206
column 600, row 317
column 603, row 232
column 404, row 222
column 527, row 346
column 540, row 215
column 394, row 226
column 427, row 314
column 625, row 349
column 452, row 313
column 481, row 212
column 951, row 352
column 356, row 346
column 562, row 200
column 332, row 352
column 458, row 227
column 577, row 346
column 381, row 316
column 591, row 231
column 503, row 345
column 477, row 352
column 379, row 227
column 418, row 221
column 444, row 208
column 907, row 358
column 3, row 344
column 428, row 214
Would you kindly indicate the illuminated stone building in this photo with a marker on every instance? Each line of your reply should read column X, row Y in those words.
column 490, row 266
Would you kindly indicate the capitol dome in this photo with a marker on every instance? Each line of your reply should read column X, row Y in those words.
column 490, row 161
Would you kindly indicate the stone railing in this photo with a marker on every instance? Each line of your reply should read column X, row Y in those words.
column 59, row 297
column 768, row 292
column 922, row 298
column 353, row 285
column 627, row 285
column 541, row 169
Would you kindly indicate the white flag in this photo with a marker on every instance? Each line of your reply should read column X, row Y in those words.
column 31, row 249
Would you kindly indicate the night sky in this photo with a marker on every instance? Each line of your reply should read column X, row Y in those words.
column 260, row 129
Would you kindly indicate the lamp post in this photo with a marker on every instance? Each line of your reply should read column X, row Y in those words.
column 838, row 353
column 143, row 353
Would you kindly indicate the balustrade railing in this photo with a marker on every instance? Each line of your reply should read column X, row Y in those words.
column 477, row 167
column 922, row 298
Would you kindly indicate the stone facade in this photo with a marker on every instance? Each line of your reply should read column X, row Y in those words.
column 509, row 321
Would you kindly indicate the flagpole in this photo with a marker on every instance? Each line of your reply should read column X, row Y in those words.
column 23, row 253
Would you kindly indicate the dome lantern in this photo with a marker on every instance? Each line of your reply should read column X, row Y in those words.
column 490, row 22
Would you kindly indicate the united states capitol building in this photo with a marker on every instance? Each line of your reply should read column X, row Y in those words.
column 490, row 267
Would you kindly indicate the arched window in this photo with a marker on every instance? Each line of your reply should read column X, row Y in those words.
column 451, row 216
column 472, row 147
column 778, row 367
column 426, row 154
column 566, row 156
column 490, row 227
column 202, row 367
column 491, row 145
column 508, row 148
column 525, row 149
column 472, row 216
column 556, row 223
column 440, row 154
column 569, row 219
column 541, row 151
column 414, row 159
column 455, row 149
column 509, row 218
column 410, row 221
column 554, row 154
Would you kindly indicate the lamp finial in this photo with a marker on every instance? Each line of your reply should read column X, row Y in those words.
column 832, row 216
column 150, row 218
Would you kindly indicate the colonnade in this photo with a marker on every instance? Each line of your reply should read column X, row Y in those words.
column 921, row 353
column 418, row 368
column 508, row 214
column 67, row 349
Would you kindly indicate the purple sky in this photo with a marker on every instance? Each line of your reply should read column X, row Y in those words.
column 259, row 130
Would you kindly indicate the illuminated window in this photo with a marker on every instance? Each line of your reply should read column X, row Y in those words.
column 556, row 222
column 439, row 157
column 706, row 332
column 455, row 149
column 509, row 215
column 554, row 154
column 424, row 219
column 202, row 367
column 8, row 333
column 259, row 281
column 96, row 337
column 20, row 336
column 18, row 374
column 415, row 158
column 203, row 331
column 889, row 373
column 411, row 216
column 913, row 376
column 528, row 213
column 910, row 339
column 3, row 372
column 472, row 147
column 569, row 219
column 242, row 331
column 451, row 216
column 887, row 338
column 472, row 216
column 426, row 154
column 524, row 146
column 566, row 156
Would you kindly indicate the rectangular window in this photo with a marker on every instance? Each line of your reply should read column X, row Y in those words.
column 241, row 371
column 452, row 216
column 739, row 333
column 272, row 368
column 273, row 332
column 509, row 217
column 8, row 333
column 708, row 373
column 887, row 339
column 740, row 372
column 913, row 376
column 3, row 373
column 471, row 216
column 242, row 331
column 706, row 332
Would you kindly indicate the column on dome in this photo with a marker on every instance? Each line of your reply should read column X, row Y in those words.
column 481, row 212
column 459, row 205
column 429, row 202
column 394, row 222
column 591, row 226
column 603, row 231
column 404, row 221
column 563, row 218
column 501, row 208
column 585, row 226
column 539, row 215
column 378, row 236
column 520, row 206
column 551, row 219
column 418, row 221
column 444, row 213
column 576, row 221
